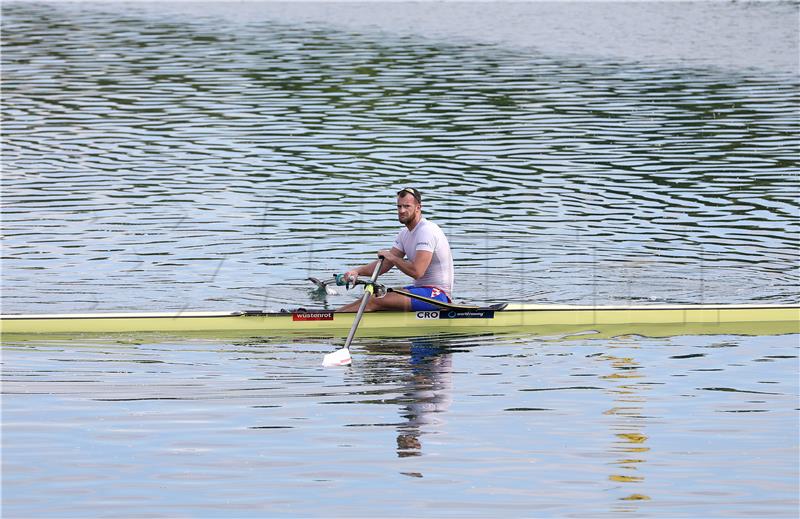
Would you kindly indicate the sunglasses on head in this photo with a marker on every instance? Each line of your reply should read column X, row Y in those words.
column 410, row 191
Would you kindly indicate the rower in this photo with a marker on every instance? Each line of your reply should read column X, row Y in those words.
column 421, row 251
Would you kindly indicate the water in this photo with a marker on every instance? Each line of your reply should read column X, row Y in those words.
column 235, row 159
column 460, row 426
column 169, row 156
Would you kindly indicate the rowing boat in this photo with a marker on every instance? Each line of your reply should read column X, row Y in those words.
column 653, row 320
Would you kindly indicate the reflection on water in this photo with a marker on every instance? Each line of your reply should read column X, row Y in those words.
column 721, row 35
column 501, row 422
column 428, row 391
column 631, row 443
column 161, row 164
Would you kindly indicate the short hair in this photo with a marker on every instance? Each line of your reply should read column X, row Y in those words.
column 411, row 191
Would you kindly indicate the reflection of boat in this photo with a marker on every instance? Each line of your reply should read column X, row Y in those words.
column 655, row 320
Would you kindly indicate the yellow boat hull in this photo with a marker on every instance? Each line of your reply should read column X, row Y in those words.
column 656, row 320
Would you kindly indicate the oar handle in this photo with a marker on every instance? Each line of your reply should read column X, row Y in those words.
column 340, row 280
column 370, row 286
column 364, row 300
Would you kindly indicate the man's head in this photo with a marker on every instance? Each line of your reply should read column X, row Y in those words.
column 409, row 205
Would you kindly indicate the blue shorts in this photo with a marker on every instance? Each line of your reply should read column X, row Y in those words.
column 430, row 293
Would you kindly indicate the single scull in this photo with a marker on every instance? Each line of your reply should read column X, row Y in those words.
column 651, row 320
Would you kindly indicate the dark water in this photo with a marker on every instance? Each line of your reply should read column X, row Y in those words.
column 211, row 156
column 156, row 163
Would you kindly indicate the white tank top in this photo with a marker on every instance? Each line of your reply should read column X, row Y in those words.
column 429, row 236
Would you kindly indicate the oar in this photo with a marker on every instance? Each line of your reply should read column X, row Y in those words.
column 342, row 357
column 324, row 286
column 441, row 304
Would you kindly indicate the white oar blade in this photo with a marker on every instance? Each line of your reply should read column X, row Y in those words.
column 337, row 358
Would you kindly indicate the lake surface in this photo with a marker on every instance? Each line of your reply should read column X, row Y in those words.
column 168, row 156
column 455, row 426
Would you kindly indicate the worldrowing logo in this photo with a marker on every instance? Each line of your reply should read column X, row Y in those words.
column 456, row 314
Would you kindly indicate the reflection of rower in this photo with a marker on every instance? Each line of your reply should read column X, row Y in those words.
column 428, row 388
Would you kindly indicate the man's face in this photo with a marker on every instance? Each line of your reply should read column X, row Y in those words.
column 407, row 208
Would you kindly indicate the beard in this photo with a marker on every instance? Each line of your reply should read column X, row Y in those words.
column 408, row 218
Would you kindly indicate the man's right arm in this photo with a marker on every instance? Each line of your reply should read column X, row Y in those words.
column 366, row 270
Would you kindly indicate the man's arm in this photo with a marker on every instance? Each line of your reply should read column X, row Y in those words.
column 415, row 269
column 366, row 270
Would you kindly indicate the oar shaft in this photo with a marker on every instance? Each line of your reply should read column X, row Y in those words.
column 364, row 300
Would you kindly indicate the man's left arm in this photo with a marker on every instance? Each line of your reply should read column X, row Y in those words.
column 415, row 269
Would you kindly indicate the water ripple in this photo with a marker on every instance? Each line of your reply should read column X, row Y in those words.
column 229, row 157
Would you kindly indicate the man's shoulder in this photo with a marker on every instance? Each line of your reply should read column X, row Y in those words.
column 428, row 226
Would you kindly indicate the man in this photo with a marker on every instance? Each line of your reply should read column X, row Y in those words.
column 421, row 251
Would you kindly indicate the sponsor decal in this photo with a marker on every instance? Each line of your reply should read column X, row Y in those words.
column 312, row 316
column 435, row 292
column 456, row 314
column 466, row 314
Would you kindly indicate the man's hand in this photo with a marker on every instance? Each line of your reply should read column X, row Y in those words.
column 391, row 258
